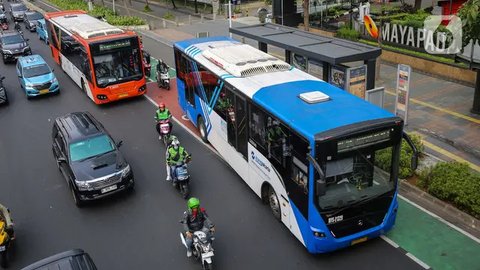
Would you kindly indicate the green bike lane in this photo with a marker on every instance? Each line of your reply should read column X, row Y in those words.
column 433, row 241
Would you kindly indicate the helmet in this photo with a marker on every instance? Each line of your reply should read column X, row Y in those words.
column 161, row 106
column 193, row 203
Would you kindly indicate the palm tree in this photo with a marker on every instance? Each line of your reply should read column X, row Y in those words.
column 469, row 13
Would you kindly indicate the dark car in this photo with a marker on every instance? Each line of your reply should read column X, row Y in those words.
column 13, row 46
column 17, row 11
column 75, row 259
column 89, row 158
column 3, row 92
column 31, row 18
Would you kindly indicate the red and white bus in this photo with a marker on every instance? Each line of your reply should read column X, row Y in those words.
column 105, row 61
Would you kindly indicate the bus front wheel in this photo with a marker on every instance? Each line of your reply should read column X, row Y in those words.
column 202, row 129
column 274, row 203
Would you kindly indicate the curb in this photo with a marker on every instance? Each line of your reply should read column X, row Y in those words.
column 123, row 27
column 466, row 219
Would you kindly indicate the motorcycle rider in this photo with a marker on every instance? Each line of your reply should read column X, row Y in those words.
column 162, row 68
column 17, row 27
column 162, row 114
column 195, row 219
column 175, row 154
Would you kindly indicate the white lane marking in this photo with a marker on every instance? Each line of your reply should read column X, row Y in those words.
column 186, row 128
column 417, row 260
column 390, row 241
column 441, row 219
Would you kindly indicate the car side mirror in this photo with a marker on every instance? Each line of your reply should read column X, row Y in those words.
column 321, row 187
column 61, row 159
column 182, row 221
column 53, row 69
column 27, row 39
column 2, row 78
column 119, row 143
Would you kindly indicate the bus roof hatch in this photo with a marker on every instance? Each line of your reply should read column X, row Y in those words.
column 242, row 60
column 314, row 97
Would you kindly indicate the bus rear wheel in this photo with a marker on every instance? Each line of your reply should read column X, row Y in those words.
column 274, row 203
column 202, row 129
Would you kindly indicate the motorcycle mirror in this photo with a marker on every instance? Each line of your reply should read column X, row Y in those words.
column 2, row 78
column 119, row 143
column 27, row 39
column 61, row 159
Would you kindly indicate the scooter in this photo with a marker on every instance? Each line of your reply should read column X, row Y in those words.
column 7, row 235
column 165, row 129
column 202, row 248
column 181, row 178
column 163, row 79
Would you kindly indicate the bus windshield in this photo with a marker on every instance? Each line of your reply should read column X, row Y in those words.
column 352, row 171
column 117, row 61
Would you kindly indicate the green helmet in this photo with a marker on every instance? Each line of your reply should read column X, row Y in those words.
column 193, row 203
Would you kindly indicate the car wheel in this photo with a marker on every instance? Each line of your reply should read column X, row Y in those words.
column 78, row 202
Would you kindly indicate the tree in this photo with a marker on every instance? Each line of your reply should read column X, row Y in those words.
column 306, row 14
column 469, row 13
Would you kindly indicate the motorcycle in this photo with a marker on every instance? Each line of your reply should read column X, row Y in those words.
column 163, row 79
column 202, row 248
column 146, row 63
column 7, row 234
column 164, row 128
column 181, row 178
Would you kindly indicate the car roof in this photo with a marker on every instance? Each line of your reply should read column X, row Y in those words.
column 9, row 33
column 72, row 259
column 17, row 4
column 30, row 12
column 79, row 126
column 31, row 60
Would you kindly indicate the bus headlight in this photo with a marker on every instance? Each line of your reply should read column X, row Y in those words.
column 142, row 88
column 102, row 97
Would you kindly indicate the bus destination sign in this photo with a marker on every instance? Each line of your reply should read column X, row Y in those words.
column 363, row 141
column 114, row 45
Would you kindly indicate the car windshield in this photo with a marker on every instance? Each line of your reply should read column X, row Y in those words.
column 34, row 16
column 117, row 62
column 34, row 71
column 13, row 39
column 19, row 8
column 91, row 147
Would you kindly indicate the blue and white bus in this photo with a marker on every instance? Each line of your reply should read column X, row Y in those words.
column 308, row 149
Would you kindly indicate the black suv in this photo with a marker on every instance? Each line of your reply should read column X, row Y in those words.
column 31, row 18
column 75, row 259
column 13, row 46
column 88, row 158
column 17, row 11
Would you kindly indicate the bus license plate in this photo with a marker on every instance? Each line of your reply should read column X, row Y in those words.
column 359, row 240
column 123, row 95
column 44, row 91
column 110, row 188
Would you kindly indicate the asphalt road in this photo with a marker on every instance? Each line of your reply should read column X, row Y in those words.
column 141, row 230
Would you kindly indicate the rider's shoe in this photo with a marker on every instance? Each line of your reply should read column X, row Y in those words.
column 169, row 178
column 189, row 253
column 159, row 137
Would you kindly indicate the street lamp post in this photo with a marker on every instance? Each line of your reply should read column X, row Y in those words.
column 230, row 15
column 113, row 6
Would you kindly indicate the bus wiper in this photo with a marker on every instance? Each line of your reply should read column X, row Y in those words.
column 338, row 210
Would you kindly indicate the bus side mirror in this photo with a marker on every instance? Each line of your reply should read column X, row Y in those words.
column 414, row 161
column 321, row 187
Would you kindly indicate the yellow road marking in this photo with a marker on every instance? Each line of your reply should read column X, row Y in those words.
column 447, row 153
column 459, row 115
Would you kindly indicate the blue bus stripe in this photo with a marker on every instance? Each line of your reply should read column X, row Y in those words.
column 214, row 93
column 202, row 92
column 215, row 97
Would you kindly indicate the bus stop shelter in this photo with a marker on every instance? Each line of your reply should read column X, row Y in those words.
column 329, row 52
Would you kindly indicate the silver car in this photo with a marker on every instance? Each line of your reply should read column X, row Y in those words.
column 17, row 11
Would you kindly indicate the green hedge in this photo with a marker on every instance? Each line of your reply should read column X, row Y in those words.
column 348, row 33
column 453, row 182
column 383, row 157
column 99, row 11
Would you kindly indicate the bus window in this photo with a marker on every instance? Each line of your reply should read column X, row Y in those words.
column 257, row 127
column 223, row 104
column 53, row 33
column 231, row 117
column 241, row 122
column 277, row 147
column 209, row 82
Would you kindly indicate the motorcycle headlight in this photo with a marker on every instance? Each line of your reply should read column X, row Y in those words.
column 82, row 185
column 126, row 171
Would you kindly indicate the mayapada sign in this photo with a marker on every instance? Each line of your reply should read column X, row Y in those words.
column 427, row 38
